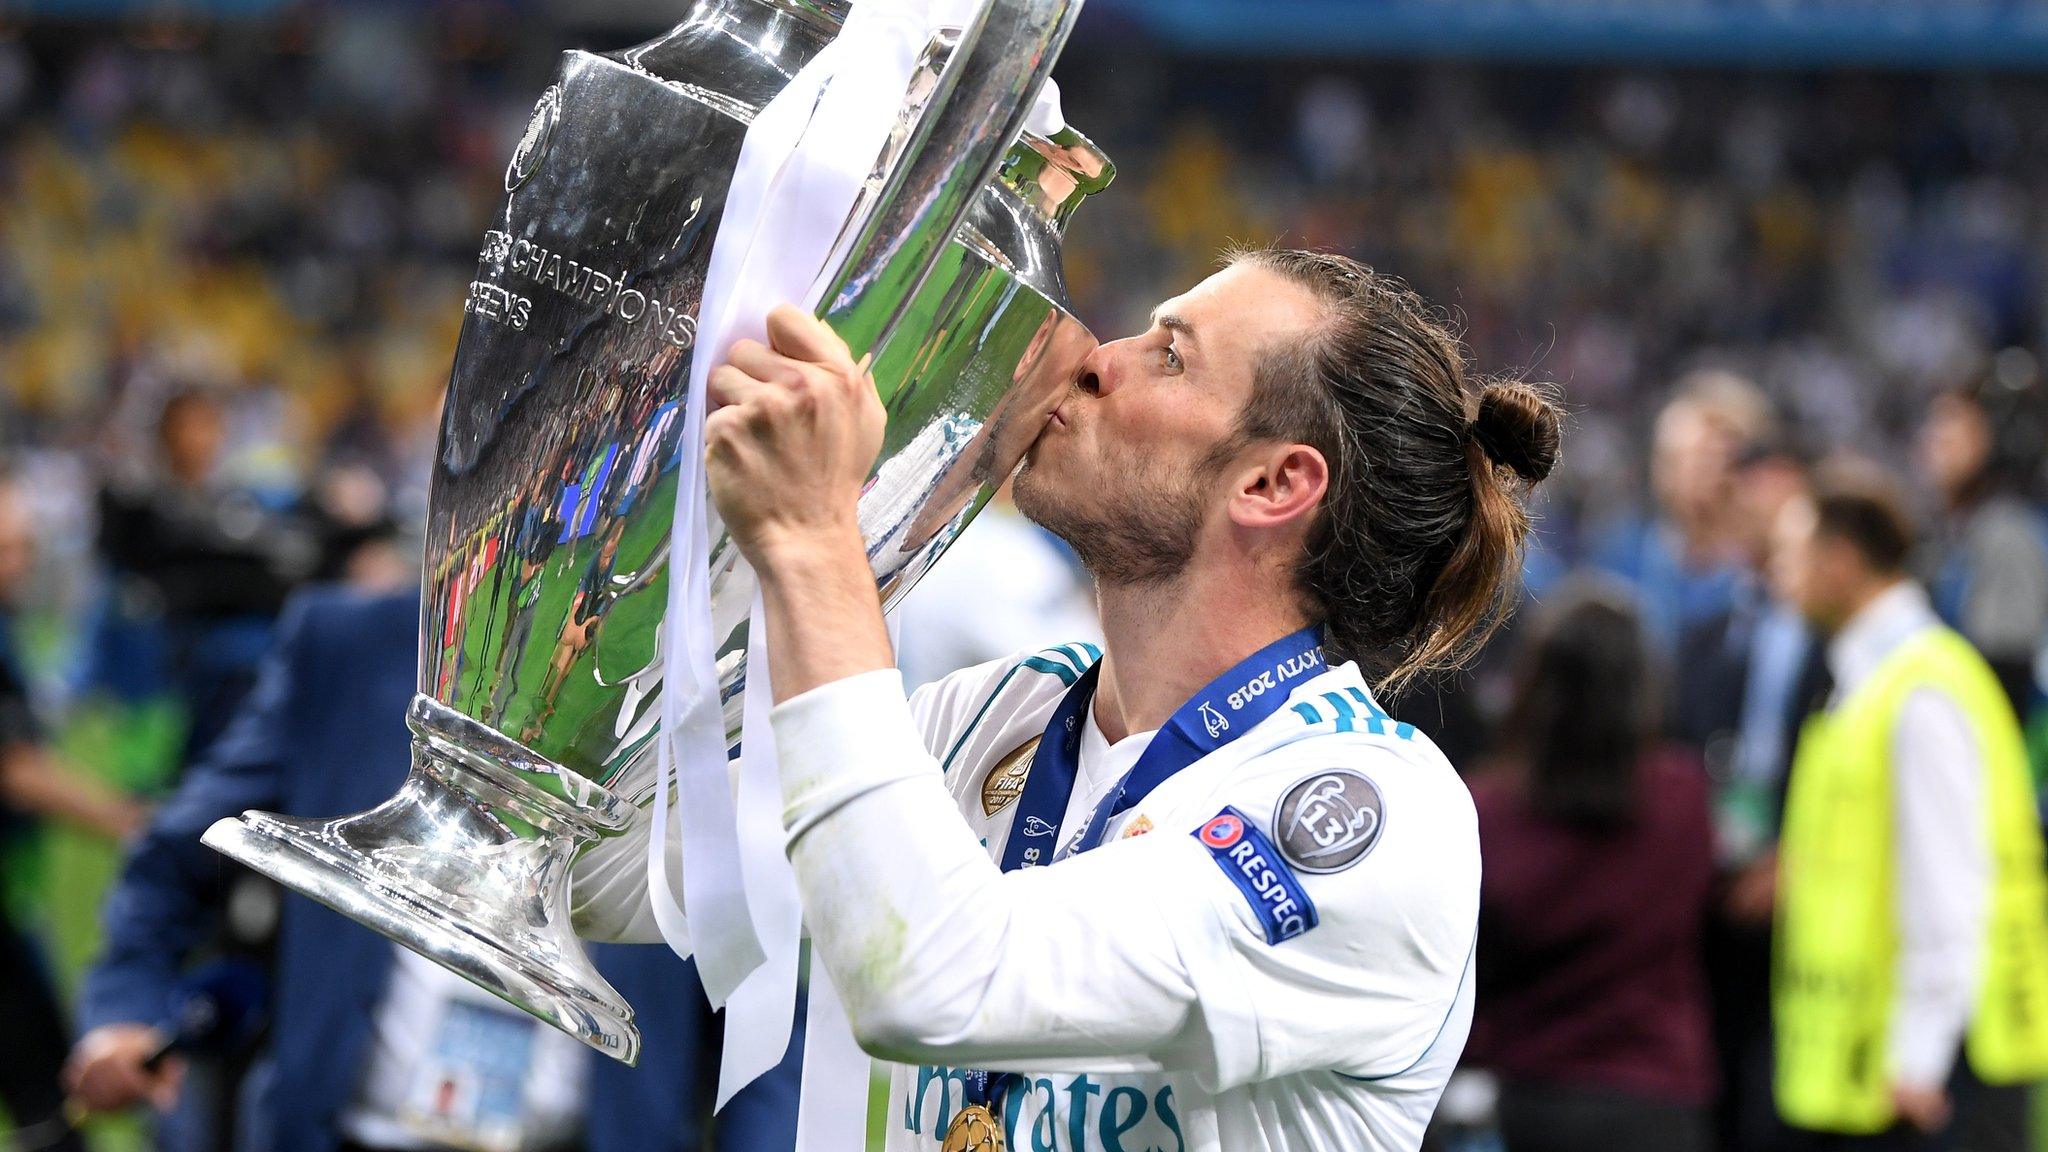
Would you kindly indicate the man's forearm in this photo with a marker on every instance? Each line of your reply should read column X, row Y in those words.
column 32, row 782
column 823, row 612
column 938, row 956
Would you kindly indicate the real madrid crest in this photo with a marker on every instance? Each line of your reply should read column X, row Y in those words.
column 1005, row 781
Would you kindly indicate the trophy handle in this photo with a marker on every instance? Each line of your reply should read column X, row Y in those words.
column 976, row 111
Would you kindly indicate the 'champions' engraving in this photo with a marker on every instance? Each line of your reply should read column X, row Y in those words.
column 494, row 303
column 590, row 287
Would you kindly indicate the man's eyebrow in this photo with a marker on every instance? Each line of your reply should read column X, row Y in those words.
column 1175, row 324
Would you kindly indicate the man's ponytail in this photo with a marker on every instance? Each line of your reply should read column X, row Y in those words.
column 1512, row 446
column 1518, row 428
column 1416, row 554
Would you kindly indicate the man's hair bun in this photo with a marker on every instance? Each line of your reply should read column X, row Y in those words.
column 1518, row 427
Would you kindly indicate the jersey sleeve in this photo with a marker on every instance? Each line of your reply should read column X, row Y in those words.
column 1143, row 955
column 948, row 710
column 944, row 708
column 1380, row 845
column 609, row 898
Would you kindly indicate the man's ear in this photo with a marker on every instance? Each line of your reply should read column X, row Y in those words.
column 1283, row 484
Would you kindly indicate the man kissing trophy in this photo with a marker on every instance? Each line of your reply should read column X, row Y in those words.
column 568, row 475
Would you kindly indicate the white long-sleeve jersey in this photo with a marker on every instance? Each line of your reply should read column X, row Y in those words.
column 1272, row 951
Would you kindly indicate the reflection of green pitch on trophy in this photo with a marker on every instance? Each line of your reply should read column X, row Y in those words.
column 560, row 458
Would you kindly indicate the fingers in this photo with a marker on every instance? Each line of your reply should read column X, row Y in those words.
column 796, row 333
column 768, row 397
column 166, row 1084
column 109, row 1084
column 107, row 1069
column 752, row 371
column 763, row 363
column 728, row 385
column 755, row 376
column 732, row 432
column 1925, row 1108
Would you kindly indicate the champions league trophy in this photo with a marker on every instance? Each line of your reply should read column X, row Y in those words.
column 555, row 483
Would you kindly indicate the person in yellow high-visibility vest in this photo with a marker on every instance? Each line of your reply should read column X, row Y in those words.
column 1912, row 919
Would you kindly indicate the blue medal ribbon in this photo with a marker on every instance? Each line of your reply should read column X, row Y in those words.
column 1225, row 709
column 1228, row 707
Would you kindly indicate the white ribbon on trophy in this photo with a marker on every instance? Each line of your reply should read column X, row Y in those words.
column 802, row 166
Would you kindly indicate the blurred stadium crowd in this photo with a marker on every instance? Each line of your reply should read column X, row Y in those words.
column 232, row 260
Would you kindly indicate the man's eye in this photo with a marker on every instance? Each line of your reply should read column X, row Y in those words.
column 1172, row 358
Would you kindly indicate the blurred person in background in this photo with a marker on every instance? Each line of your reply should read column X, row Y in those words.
column 1732, row 693
column 1736, row 700
column 365, row 1035
column 200, row 568
column 1685, row 560
column 32, row 785
column 1911, row 978
column 1982, row 445
column 348, row 513
column 1598, row 852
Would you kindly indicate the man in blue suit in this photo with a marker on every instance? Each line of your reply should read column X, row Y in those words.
column 322, row 734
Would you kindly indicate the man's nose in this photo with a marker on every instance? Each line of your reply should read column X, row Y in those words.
column 1098, row 371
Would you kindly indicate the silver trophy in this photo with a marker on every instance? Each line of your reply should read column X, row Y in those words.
column 555, row 481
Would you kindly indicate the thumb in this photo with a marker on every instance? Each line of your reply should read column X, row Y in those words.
column 801, row 336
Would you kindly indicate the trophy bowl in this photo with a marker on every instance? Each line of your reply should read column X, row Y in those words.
column 555, row 483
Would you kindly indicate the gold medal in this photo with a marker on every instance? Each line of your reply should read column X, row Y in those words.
column 1005, row 781
column 973, row 1130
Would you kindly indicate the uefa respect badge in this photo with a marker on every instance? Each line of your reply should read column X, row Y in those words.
column 1257, row 868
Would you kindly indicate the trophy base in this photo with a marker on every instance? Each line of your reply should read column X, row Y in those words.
column 432, row 869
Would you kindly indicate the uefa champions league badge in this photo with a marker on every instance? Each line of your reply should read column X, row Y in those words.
column 1329, row 821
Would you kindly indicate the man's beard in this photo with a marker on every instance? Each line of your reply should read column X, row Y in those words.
column 1142, row 533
